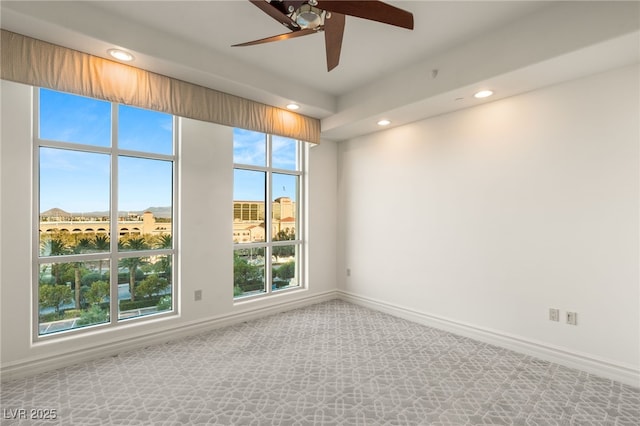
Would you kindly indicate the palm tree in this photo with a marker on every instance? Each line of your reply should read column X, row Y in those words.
column 164, row 264
column 102, row 244
column 82, row 246
column 132, row 263
column 55, row 246
column 164, row 241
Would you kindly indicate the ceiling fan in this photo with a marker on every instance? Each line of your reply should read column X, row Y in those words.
column 312, row 16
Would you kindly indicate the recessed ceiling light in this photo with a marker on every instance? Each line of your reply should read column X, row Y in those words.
column 483, row 94
column 384, row 123
column 120, row 55
column 293, row 106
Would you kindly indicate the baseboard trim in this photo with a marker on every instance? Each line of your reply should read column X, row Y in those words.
column 590, row 364
column 27, row 368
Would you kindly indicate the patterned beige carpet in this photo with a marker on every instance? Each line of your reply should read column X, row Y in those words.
column 329, row 364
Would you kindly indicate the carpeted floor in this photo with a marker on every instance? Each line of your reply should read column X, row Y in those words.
column 333, row 363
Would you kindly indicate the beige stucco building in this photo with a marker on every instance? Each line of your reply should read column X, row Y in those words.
column 57, row 220
column 248, row 219
column 248, row 222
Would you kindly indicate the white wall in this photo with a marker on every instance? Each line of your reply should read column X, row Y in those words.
column 205, row 247
column 479, row 221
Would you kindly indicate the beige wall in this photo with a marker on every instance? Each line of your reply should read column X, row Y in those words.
column 516, row 206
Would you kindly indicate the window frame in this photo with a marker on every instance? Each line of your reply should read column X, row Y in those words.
column 302, row 154
column 114, row 254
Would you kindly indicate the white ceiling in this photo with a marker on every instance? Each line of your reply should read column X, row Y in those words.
column 384, row 71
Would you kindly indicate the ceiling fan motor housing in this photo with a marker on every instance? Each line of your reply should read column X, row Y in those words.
column 327, row 16
column 309, row 17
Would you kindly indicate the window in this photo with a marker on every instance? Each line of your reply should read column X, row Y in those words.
column 267, row 213
column 105, row 190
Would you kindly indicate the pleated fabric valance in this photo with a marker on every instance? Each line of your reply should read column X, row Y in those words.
column 38, row 63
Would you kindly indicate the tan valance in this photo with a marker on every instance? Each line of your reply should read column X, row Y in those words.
column 37, row 63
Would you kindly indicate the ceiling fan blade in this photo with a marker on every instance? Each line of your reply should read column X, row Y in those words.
column 272, row 10
column 333, row 32
column 284, row 36
column 373, row 10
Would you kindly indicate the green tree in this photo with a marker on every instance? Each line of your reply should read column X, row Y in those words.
column 132, row 263
column 53, row 296
column 246, row 276
column 165, row 303
column 286, row 271
column 82, row 246
column 284, row 251
column 97, row 292
column 163, row 265
column 65, row 273
column 93, row 315
column 152, row 285
column 285, row 234
column 91, row 277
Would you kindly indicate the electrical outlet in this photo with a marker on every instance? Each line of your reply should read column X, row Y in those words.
column 197, row 295
column 554, row 314
column 348, row 272
column 572, row 318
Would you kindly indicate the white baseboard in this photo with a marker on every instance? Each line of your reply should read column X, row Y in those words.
column 590, row 364
column 36, row 365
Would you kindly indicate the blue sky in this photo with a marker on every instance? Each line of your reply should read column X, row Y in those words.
column 78, row 182
column 249, row 147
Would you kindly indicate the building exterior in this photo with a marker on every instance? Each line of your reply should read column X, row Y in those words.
column 248, row 219
column 248, row 222
column 57, row 220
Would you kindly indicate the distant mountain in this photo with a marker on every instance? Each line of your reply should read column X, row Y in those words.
column 159, row 211
column 56, row 212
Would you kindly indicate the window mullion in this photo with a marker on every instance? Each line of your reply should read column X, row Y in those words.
column 250, row 167
column 140, row 154
column 286, row 171
column 267, row 220
column 301, row 212
column 299, row 191
column 114, row 231
column 144, row 253
column 35, row 285
column 72, row 146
